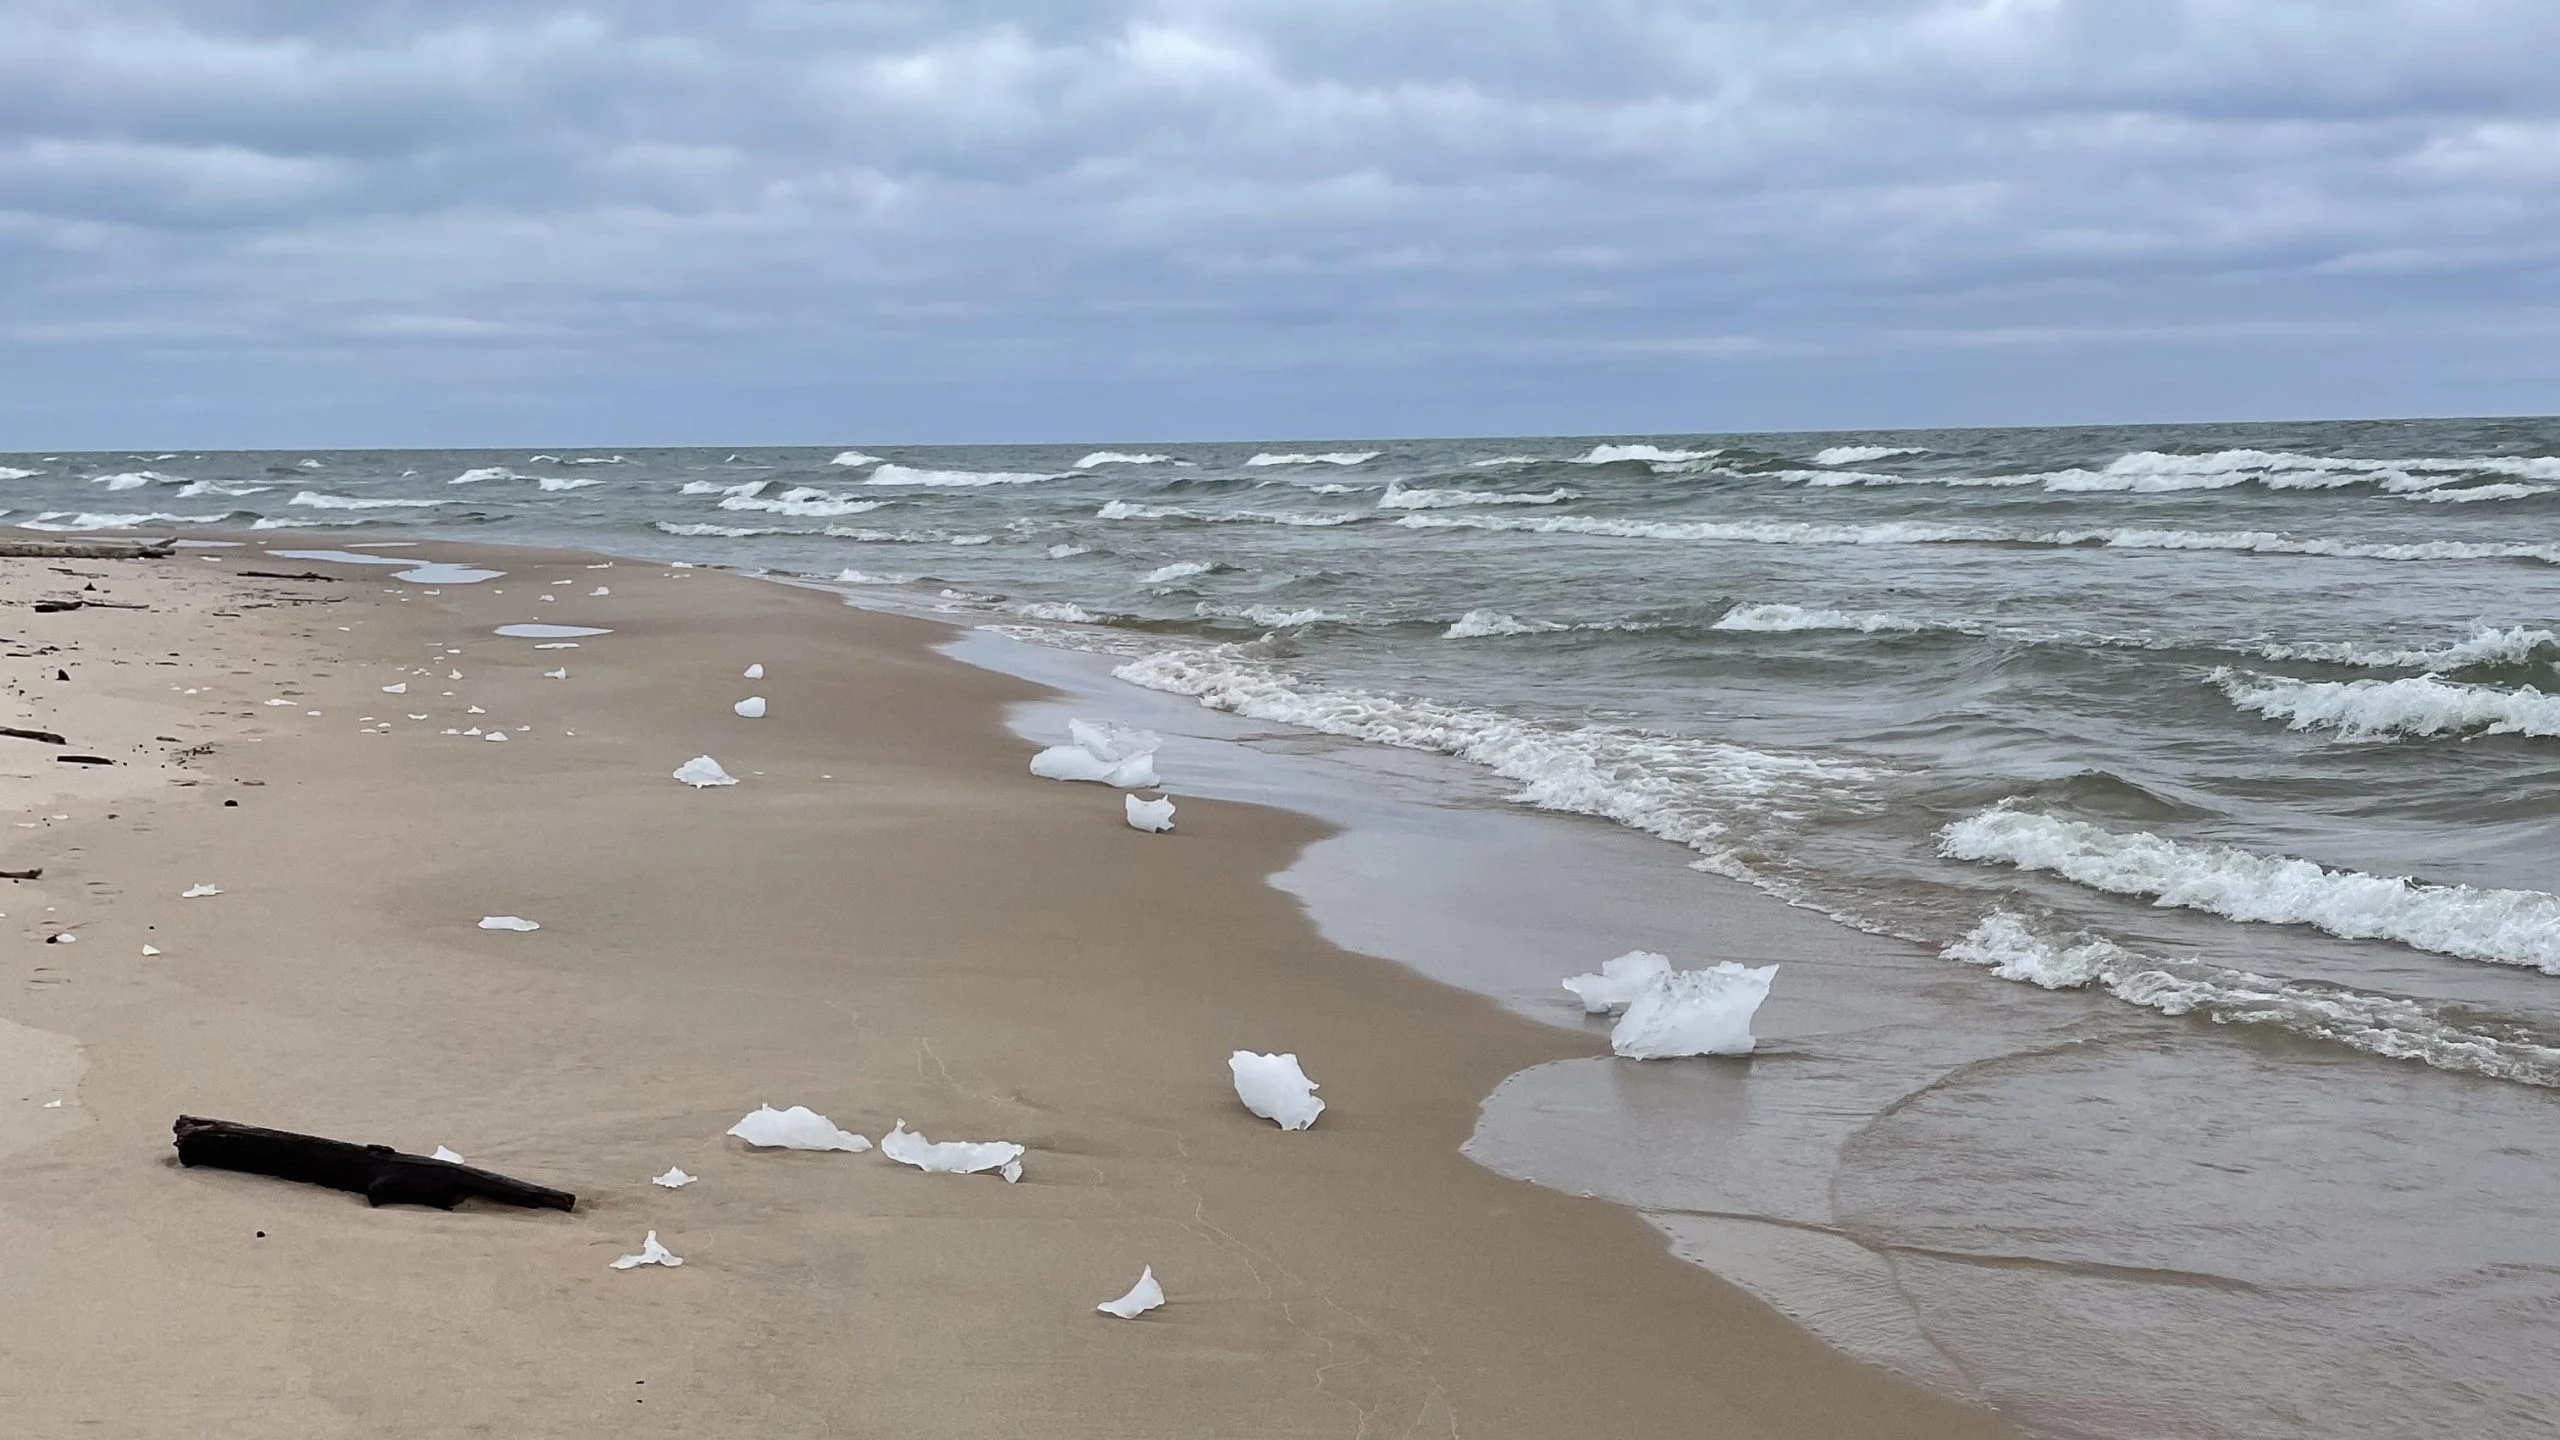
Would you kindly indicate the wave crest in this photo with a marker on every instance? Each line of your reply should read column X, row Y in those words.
column 2419, row 706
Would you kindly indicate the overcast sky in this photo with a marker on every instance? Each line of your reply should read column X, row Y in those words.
column 449, row 222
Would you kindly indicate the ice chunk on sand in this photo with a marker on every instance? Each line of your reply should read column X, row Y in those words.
column 400, row 689
column 198, row 892
column 1142, row 1297
column 751, row 708
column 1619, row 982
column 798, row 1128
column 1154, row 816
column 599, row 590
column 560, row 674
column 441, row 1153
column 150, row 949
column 755, row 672
column 507, row 922
column 1103, row 752
column 674, row 1179
column 651, row 1253
column 1273, row 1087
column 702, row 771
column 1693, row 1012
column 952, row 1157
column 495, row 735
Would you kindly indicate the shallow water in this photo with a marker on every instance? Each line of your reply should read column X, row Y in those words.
column 2159, row 716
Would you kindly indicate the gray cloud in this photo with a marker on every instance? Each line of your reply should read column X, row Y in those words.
column 319, row 223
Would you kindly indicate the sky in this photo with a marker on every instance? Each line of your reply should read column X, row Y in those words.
column 264, row 223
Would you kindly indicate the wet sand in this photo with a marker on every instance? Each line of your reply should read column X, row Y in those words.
column 887, row 918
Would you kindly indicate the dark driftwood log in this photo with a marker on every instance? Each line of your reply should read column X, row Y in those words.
column 83, row 760
column 35, row 874
column 382, row 1175
column 281, row 575
column 86, row 549
column 42, row 737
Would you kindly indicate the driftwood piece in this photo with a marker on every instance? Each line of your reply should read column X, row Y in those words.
column 82, row 760
column 382, row 1175
column 85, row 549
column 41, row 737
column 35, row 874
column 281, row 575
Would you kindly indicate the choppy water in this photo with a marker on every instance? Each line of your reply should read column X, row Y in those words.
column 2136, row 730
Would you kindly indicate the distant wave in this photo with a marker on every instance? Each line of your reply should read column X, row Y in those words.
column 850, row 457
column 1650, row 454
column 194, row 488
column 1273, row 616
column 697, row 529
column 801, row 501
column 10, row 472
column 1793, row 617
column 2504, row 927
column 2383, row 1025
column 2487, row 645
column 2420, row 706
column 1398, row 497
column 1335, row 457
column 721, row 487
column 1483, row 624
column 135, row 479
column 315, row 500
column 1179, row 570
column 1682, row 789
column 486, row 472
column 568, row 482
column 950, row 479
column 2158, row 472
column 2469, row 493
column 1061, row 552
column 1903, row 532
column 1861, row 454
column 1115, row 457
column 1124, row 510
column 1500, row 460
column 68, row 520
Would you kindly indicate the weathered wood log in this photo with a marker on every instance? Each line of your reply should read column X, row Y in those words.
column 35, row 874
column 281, row 575
column 82, row 760
column 41, row 737
column 85, row 549
column 382, row 1175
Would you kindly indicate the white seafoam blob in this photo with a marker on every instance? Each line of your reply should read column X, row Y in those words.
column 1693, row 1012
column 651, row 1253
column 1153, row 816
column 507, row 922
column 798, row 1128
column 1144, row 1296
column 702, row 771
column 548, row 632
column 1273, row 1087
column 674, row 1179
column 1619, row 982
column 952, row 1157
column 751, row 708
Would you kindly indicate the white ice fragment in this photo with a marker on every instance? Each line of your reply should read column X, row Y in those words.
column 53, row 1104
column 798, row 1128
column 702, row 770
column 474, row 730
column 599, row 590
column 751, row 708
column 279, row 702
column 1273, row 1087
column 475, row 710
column 755, row 672
column 417, row 717
column 952, row 1157
column 1619, row 982
column 1693, row 1012
column 651, row 1253
column 449, row 730
column 441, row 1153
column 400, row 689
column 1103, row 752
column 674, row 1179
column 507, row 922
column 150, row 949
column 495, row 735
column 65, row 938
column 453, row 674
column 198, row 892
column 1154, row 816
column 1142, row 1297
column 560, row 674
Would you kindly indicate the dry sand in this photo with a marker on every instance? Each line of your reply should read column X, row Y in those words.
column 887, row 918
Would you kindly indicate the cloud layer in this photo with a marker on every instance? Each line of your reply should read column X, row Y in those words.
column 230, row 222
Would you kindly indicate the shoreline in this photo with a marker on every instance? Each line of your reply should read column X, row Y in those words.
column 683, row 976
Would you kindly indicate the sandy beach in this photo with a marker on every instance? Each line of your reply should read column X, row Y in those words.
column 886, row 919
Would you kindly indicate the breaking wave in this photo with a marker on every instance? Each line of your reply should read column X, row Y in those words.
column 2419, row 706
column 1793, row 617
column 1400, row 498
column 1335, row 457
column 854, row 457
column 801, row 501
column 2487, row 645
column 1115, row 457
column 2503, row 927
column 11, row 472
column 315, row 500
column 71, row 521
column 1124, row 510
column 1861, row 454
column 1481, row 624
column 905, row 475
column 486, row 472
column 1650, row 454
column 136, row 479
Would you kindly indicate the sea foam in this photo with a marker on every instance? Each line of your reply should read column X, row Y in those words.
column 1861, row 454
column 2421, row 705
column 1400, row 498
column 911, row 477
column 1333, row 457
column 802, row 501
column 1795, row 617
column 2504, row 927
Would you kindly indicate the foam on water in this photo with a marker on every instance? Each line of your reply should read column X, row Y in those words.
column 1114, row 457
column 802, row 501
column 908, row 476
column 72, row 521
column 1781, row 618
column 853, row 458
column 315, row 500
column 1398, row 497
column 557, row 483
column 11, row 472
column 1178, row 570
column 1125, row 510
column 1862, row 454
column 136, row 479
column 1650, row 454
column 481, row 473
column 2486, row 645
column 1335, row 457
column 2504, row 927
column 2421, row 705
column 1481, row 624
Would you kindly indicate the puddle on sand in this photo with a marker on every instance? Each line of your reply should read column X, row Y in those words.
column 439, row 573
column 548, row 632
column 338, row 557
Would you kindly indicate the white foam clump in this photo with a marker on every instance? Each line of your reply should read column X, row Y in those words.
column 751, row 708
column 1273, row 1087
column 1618, row 982
column 1144, row 1296
column 852, row 457
column 199, row 892
column 495, row 735
column 804, row 502
column 2419, row 706
column 1104, row 753
column 1178, row 570
column 1861, row 454
column 8, row 472
column 1064, row 612
column 952, row 1157
column 1400, row 498
column 507, row 922
column 1153, row 816
column 674, row 1179
column 702, row 772
column 755, row 672
column 1116, row 457
column 1693, row 1012
column 651, row 1253
column 1479, row 624
column 446, row 1155
column 1331, row 457
column 129, row 480
column 1780, row 618
column 2505, row 927
column 1061, row 552
column 798, row 1128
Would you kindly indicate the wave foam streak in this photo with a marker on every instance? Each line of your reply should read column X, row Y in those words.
column 2419, row 706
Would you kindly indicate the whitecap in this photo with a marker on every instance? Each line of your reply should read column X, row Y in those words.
column 315, row 500
column 10, row 472
column 1400, row 498
column 1650, row 454
column 73, row 521
column 135, row 479
column 2419, row 706
column 804, row 502
column 567, row 482
column 1862, row 454
column 1479, row 624
column 1781, row 618
column 1178, row 570
column 1115, row 457
column 848, row 458
column 902, row 475
column 485, row 472
column 1333, row 457
column 2486, row 645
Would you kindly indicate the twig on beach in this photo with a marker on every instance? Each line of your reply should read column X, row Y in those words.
column 82, row 760
column 382, row 1175
column 281, row 575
